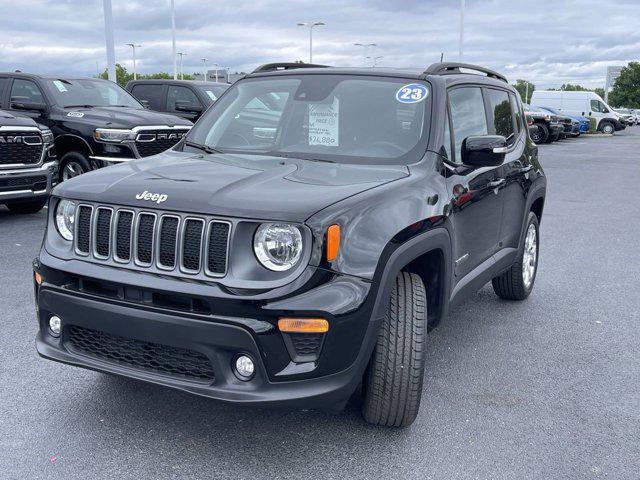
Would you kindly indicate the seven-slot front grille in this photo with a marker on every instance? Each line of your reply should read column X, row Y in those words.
column 20, row 148
column 153, row 240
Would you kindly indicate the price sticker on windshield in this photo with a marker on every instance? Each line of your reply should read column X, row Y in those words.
column 412, row 93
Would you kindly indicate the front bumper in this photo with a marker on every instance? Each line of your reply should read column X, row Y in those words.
column 23, row 184
column 237, row 328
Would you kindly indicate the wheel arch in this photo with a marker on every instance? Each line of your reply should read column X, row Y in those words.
column 71, row 143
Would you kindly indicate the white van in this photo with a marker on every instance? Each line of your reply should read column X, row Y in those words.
column 586, row 104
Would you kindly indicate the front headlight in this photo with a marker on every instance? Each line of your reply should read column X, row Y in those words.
column 113, row 135
column 278, row 246
column 47, row 136
column 65, row 218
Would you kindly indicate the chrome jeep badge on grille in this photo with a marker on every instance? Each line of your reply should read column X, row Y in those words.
column 153, row 197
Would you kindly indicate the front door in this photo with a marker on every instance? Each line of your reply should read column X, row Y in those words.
column 476, row 203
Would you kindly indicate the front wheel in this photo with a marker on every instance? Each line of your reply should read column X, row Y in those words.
column 73, row 164
column 33, row 206
column 607, row 127
column 393, row 382
column 517, row 282
column 541, row 134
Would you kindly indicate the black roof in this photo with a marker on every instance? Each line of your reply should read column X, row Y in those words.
column 49, row 77
column 200, row 83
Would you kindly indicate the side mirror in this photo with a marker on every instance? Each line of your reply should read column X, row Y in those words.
column 484, row 151
column 23, row 103
column 183, row 106
column 606, row 110
column 145, row 103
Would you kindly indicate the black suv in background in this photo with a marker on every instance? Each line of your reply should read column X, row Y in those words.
column 28, row 166
column 185, row 98
column 549, row 127
column 95, row 122
column 286, row 259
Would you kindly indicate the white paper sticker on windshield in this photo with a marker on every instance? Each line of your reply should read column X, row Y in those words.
column 323, row 124
column 211, row 95
column 59, row 85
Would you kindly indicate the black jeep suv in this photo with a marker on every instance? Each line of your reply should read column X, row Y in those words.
column 285, row 256
column 28, row 165
column 95, row 122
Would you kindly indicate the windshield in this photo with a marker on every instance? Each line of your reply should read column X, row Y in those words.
column 87, row 92
column 336, row 118
column 213, row 91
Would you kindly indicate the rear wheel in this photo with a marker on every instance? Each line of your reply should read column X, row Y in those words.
column 517, row 282
column 541, row 134
column 607, row 127
column 73, row 164
column 393, row 382
column 33, row 206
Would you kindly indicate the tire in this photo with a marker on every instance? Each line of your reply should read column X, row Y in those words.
column 607, row 127
column 393, row 381
column 33, row 206
column 73, row 164
column 517, row 283
column 542, row 134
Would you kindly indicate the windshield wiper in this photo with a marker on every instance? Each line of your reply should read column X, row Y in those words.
column 204, row 148
column 79, row 106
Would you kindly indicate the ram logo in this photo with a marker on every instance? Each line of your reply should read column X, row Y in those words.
column 26, row 139
column 152, row 197
column 152, row 137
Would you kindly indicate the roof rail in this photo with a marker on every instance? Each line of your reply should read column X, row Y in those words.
column 446, row 68
column 271, row 67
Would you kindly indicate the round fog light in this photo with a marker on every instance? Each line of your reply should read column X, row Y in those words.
column 244, row 367
column 55, row 325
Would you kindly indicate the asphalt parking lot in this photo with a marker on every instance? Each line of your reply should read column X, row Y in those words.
column 543, row 389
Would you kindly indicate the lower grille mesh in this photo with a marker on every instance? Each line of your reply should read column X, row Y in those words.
column 148, row 356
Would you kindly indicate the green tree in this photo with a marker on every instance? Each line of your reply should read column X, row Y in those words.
column 122, row 76
column 626, row 89
column 521, row 87
column 599, row 91
column 568, row 87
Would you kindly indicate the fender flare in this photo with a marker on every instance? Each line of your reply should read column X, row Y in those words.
column 537, row 191
column 75, row 137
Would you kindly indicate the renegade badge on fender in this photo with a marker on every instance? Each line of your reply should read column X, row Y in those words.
column 314, row 225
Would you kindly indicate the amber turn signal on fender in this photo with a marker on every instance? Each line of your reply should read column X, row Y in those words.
column 303, row 325
column 38, row 278
column 333, row 242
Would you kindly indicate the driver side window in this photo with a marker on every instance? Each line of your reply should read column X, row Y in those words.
column 26, row 90
column 467, row 115
column 596, row 106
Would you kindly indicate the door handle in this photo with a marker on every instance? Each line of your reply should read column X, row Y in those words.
column 496, row 183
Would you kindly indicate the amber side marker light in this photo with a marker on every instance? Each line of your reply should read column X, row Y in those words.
column 333, row 242
column 303, row 325
column 38, row 278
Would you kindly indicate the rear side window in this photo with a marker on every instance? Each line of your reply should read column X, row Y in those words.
column 151, row 93
column 467, row 114
column 26, row 91
column 502, row 114
column 180, row 94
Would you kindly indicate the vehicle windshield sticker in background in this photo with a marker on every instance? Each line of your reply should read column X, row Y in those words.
column 75, row 114
column 323, row 123
column 412, row 93
column 211, row 95
column 60, row 86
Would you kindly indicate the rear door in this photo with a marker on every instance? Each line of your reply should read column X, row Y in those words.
column 477, row 207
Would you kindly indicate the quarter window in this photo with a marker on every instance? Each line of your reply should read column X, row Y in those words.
column 447, row 139
column 502, row 114
column 26, row 91
column 467, row 114
column 517, row 112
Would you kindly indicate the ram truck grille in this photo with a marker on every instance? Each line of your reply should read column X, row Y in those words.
column 20, row 148
column 152, row 142
column 162, row 242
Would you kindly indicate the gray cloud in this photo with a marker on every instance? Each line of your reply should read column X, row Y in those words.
column 548, row 42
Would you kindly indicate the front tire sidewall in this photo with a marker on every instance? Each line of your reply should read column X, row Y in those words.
column 78, row 160
column 608, row 128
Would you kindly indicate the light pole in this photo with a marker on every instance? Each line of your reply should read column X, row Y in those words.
column 133, row 46
column 108, row 31
column 366, row 47
column 173, row 39
column 375, row 59
column 461, row 26
column 310, row 25
column 204, row 68
column 182, row 54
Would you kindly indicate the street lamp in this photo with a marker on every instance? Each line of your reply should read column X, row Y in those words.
column 204, row 67
column 366, row 47
column 173, row 39
column 182, row 54
column 375, row 59
column 310, row 25
column 133, row 46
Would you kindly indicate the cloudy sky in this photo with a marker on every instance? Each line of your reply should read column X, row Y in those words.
column 546, row 41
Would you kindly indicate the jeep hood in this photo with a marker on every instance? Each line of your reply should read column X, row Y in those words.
column 122, row 117
column 247, row 186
